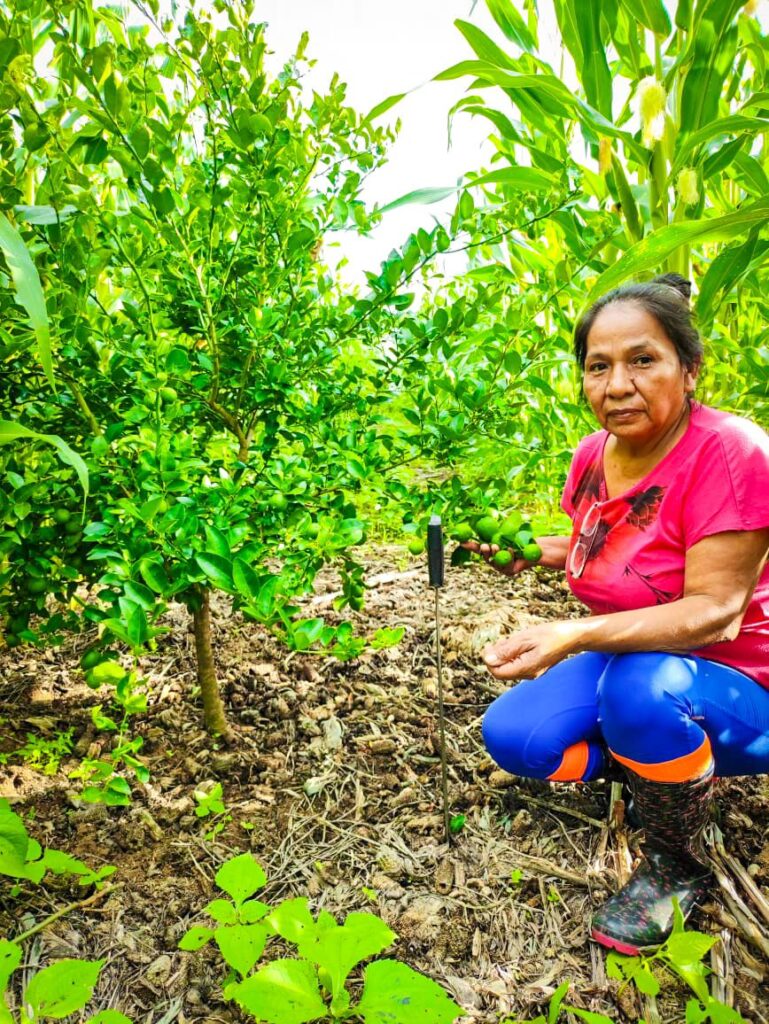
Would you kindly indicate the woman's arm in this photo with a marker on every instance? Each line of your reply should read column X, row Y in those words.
column 720, row 576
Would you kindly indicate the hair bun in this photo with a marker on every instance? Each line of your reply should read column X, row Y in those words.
column 676, row 281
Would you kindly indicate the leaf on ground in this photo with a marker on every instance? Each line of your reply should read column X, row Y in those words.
column 241, row 877
column 62, row 988
column 393, row 993
column 241, row 945
column 282, row 992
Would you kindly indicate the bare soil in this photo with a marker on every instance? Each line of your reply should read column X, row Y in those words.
column 334, row 783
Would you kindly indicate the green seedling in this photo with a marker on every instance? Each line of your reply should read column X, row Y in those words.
column 313, row 984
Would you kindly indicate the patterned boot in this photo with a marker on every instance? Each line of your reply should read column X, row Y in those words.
column 640, row 916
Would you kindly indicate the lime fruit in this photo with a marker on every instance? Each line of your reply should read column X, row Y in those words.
column 486, row 528
column 167, row 394
column 278, row 501
column 463, row 532
column 532, row 552
column 72, row 527
column 61, row 516
column 36, row 586
column 91, row 659
column 502, row 559
column 510, row 526
column 416, row 546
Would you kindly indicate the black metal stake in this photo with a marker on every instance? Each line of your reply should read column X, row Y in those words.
column 435, row 566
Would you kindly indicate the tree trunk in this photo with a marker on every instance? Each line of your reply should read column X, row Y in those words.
column 213, row 708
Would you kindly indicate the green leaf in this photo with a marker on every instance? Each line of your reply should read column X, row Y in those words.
column 713, row 45
column 735, row 124
column 424, row 196
column 587, row 1015
column 217, row 569
column 512, row 24
column 651, row 14
column 292, row 920
column 154, row 575
column 241, row 945
column 282, row 992
column 10, row 958
column 221, row 911
column 109, row 1017
column 10, row 430
column 14, row 843
column 252, row 911
column 731, row 264
column 485, row 48
column 393, row 993
column 196, row 938
column 29, row 291
column 384, row 106
column 523, row 179
column 241, row 877
column 337, row 950
column 247, row 582
column 555, row 1002
column 645, row 981
column 652, row 251
column 689, row 947
column 62, row 988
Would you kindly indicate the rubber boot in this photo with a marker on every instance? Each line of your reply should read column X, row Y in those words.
column 640, row 916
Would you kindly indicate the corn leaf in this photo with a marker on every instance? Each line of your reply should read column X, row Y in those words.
column 29, row 291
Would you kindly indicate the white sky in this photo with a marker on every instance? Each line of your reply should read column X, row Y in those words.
column 379, row 49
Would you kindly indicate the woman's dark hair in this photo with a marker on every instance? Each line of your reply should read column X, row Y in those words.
column 667, row 299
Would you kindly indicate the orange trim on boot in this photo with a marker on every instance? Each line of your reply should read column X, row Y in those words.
column 573, row 763
column 679, row 769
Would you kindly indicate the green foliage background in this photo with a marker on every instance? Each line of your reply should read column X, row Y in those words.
column 244, row 417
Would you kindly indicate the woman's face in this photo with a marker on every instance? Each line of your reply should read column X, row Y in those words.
column 633, row 377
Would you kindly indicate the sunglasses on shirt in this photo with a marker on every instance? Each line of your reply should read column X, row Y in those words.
column 587, row 534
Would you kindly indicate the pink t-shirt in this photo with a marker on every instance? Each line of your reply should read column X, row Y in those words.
column 716, row 478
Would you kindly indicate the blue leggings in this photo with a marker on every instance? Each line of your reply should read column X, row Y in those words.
column 667, row 717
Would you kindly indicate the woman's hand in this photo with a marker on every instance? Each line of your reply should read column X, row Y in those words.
column 554, row 551
column 530, row 652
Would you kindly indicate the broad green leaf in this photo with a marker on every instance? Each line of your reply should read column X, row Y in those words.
column 10, row 430
column 293, row 921
column 512, row 24
column 252, row 911
column 241, row 877
column 10, row 958
column 651, row 14
column 594, row 71
column 154, row 575
column 395, row 994
column 217, row 569
column 337, row 950
column 241, row 945
column 282, row 992
column 645, row 981
column 247, row 582
column 14, row 843
column 196, row 938
column 62, row 988
column 221, row 911
column 652, row 251
column 109, row 1017
column 29, row 291
column 689, row 947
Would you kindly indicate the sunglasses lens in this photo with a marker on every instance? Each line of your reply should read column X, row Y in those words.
column 578, row 558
